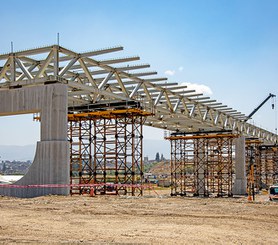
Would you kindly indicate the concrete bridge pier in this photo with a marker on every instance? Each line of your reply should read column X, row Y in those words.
column 240, row 171
column 51, row 162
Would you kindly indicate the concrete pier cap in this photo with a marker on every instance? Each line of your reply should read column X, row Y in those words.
column 51, row 161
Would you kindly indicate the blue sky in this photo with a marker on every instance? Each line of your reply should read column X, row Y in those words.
column 229, row 46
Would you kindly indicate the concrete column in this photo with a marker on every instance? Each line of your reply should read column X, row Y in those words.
column 240, row 171
column 51, row 162
column 201, row 163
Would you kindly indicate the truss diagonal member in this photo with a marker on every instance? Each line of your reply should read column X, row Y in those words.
column 121, row 84
column 200, row 109
column 30, row 69
column 149, row 97
column 216, row 118
column 87, row 72
column 105, row 80
column 134, row 91
column 168, row 102
column 68, row 66
column 185, row 109
column 45, row 64
column 95, row 90
column 177, row 104
column 23, row 68
column 4, row 69
column 158, row 97
column 192, row 110
column 205, row 115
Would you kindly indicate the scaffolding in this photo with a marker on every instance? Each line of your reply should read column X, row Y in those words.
column 253, row 166
column 269, row 165
column 81, row 169
column 264, row 160
column 106, row 148
column 202, row 165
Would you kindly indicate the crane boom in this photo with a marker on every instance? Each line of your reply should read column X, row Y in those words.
column 260, row 105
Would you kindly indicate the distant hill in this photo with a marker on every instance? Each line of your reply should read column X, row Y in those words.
column 27, row 152
column 161, row 168
column 18, row 153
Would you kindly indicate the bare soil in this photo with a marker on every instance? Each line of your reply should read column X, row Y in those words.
column 152, row 219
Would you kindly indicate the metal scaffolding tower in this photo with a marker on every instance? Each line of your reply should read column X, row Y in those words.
column 106, row 148
column 269, row 165
column 81, row 169
column 264, row 159
column 202, row 164
column 253, row 164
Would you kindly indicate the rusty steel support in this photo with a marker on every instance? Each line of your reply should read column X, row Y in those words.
column 253, row 165
column 80, row 138
column 106, row 148
column 202, row 165
column 118, row 154
column 265, row 164
column 269, row 166
column 220, row 165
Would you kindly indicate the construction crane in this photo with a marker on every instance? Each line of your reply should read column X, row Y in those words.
column 260, row 105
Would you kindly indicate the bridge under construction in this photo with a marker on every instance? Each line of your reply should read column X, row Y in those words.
column 92, row 108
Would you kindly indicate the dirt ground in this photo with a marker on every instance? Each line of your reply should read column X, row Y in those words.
column 152, row 219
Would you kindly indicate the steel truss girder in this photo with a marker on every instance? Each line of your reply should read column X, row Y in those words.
column 83, row 73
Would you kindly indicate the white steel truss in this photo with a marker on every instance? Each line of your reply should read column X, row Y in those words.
column 92, row 80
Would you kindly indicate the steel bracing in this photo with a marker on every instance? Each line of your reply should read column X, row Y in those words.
column 264, row 159
column 106, row 135
column 94, row 77
column 81, row 164
column 202, row 165
column 106, row 148
column 269, row 165
column 253, row 164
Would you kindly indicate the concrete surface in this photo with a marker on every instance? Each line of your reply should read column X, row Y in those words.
column 51, row 162
column 240, row 171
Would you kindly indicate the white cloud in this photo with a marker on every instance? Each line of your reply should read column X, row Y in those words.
column 170, row 72
column 199, row 88
column 181, row 68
